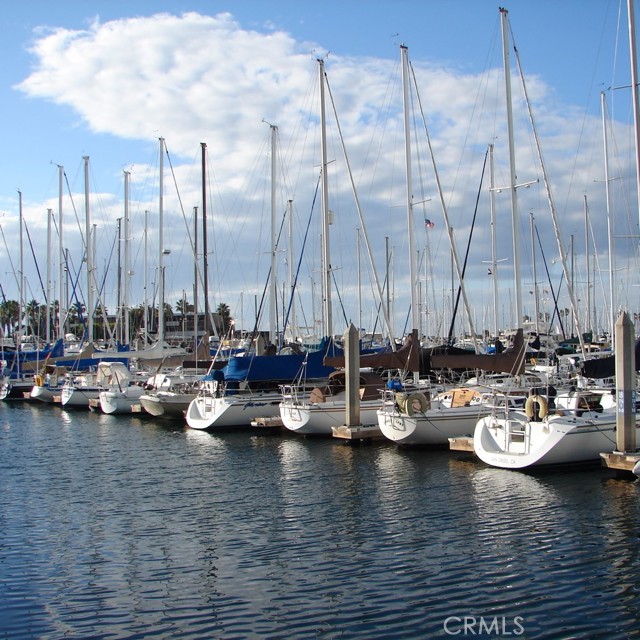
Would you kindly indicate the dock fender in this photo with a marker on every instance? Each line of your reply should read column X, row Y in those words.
column 416, row 402
column 529, row 407
column 39, row 381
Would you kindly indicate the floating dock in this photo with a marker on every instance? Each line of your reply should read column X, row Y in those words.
column 463, row 443
column 358, row 432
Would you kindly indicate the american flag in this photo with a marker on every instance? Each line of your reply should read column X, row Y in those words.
column 428, row 224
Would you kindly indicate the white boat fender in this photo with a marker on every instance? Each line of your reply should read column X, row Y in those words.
column 416, row 402
column 636, row 469
column 543, row 407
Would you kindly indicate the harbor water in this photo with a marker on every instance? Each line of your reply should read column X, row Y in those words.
column 129, row 527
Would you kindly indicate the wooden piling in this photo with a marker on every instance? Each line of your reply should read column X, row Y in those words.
column 352, row 429
column 626, row 455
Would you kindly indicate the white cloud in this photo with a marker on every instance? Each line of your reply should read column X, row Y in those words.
column 194, row 78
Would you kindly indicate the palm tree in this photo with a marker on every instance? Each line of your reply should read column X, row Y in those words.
column 223, row 318
column 32, row 316
column 9, row 314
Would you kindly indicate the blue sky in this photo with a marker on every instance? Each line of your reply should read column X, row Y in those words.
column 127, row 72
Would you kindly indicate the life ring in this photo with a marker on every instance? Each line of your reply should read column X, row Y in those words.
column 39, row 381
column 415, row 402
column 543, row 410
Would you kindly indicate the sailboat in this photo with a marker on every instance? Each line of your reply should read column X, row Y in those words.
column 171, row 395
column 575, row 431
column 419, row 415
column 120, row 391
column 574, row 427
column 324, row 407
column 248, row 386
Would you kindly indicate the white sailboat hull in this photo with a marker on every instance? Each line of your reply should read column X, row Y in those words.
column 516, row 443
column 319, row 419
column 79, row 396
column 45, row 394
column 432, row 428
column 124, row 401
column 207, row 412
column 166, row 403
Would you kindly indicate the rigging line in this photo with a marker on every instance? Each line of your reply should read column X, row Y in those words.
column 13, row 269
column 365, row 235
column 75, row 213
column 175, row 184
column 188, row 228
column 344, row 315
column 304, row 244
column 553, row 293
column 445, row 213
column 100, row 301
column 466, row 255
column 35, row 260
column 550, row 201
column 266, row 284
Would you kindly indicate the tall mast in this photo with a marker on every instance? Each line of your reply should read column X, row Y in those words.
column 195, row 279
column 515, row 216
column 612, row 302
column 120, row 320
column 272, row 305
column 49, row 282
column 359, row 279
column 588, row 324
column 326, row 267
column 293, row 322
column 634, row 87
column 88, row 251
column 535, row 275
column 161, row 247
column 494, row 255
column 126, row 258
column 205, row 255
column 413, row 266
column 145, row 279
column 21, row 287
column 61, row 269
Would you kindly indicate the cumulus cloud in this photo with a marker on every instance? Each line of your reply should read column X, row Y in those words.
column 194, row 78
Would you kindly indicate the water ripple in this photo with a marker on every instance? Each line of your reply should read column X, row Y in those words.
column 126, row 528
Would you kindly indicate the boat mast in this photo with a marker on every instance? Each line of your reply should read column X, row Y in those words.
column 588, row 324
column 145, row 282
column 636, row 102
column 195, row 280
column 88, row 251
column 494, row 256
column 515, row 216
column 294, row 322
column 61, row 269
column 205, row 256
column 272, row 306
column 552, row 209
column 605, row 138
column 535, row 275
column 127, row 328
column 454, row 254
column 21, row 286
column 49, row 282
column 413, row 267
column 160, row 247
column 326, row 267
column 119, row 322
